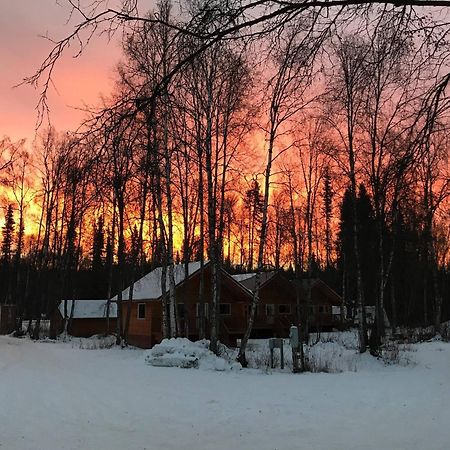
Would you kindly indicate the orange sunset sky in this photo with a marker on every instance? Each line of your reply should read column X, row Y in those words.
column 78, row 81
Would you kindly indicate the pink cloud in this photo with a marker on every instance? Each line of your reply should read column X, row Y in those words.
column 77, row 81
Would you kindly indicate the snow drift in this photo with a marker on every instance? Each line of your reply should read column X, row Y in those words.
column 181, row 352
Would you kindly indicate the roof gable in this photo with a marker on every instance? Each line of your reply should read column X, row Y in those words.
column 317, row 283
column 149, row 286
column 248, row 280
column 240, row 277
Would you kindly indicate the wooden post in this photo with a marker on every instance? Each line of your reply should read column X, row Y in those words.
column 282, row 354
column 274, row 343
column 295, row 345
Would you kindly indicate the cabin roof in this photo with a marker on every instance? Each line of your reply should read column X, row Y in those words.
column 88, row 309
column 320, row 284
column 248, row 280
column 149, row 286
column 240, row 277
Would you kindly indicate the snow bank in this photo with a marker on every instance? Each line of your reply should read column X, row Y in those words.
column 334, row 352
column 181, row 352
column 445, row 331
column 327, row 352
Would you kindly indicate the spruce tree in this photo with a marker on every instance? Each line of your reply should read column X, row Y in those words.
column 253, row 202
column 346, row 256
column 8, row 234
column 367, row 244
column 328, row 213
column 367, row 247
column 98, row 245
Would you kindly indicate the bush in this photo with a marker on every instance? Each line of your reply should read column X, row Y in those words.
column 97, row 343
column 445, row 331
column 396, row 353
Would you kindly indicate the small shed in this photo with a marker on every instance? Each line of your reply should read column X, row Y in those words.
column 86, row 318
column 7, row 318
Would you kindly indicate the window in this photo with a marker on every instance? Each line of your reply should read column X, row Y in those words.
column 180, row 310
column 224, row 309
column 311, row 309
column 270, row 310
column 141, row 311
column 321, row 309
column 284, row 309
column 198, row 309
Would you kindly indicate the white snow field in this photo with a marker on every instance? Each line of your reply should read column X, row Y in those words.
column 56, row 396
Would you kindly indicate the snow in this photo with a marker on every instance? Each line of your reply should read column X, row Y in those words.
column 88, row 309
column 328, row 352
column 243, row 276
column 248, row 280
column 149, row 286
column 183, row 353
column 57, row 396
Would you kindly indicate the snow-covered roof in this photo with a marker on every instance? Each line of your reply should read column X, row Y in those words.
column 149, row 286
column 335, row 310
column 88, row 309
column 248, row 280
column 243, row 276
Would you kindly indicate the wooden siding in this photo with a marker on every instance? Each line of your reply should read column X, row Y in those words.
column 231, row 326
column 80, row 327
column 89, row 327
column 140, row 330
column 270, row 320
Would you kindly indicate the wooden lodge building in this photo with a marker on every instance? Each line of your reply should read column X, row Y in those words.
column 325, row 304
column 145, row 327
column 276, row 312
column 277, row 309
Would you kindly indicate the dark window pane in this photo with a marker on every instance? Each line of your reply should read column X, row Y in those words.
column 224, row 309
column 284, row 309
column 141, row 311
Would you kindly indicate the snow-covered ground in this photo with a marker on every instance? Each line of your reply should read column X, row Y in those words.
column 58, row 396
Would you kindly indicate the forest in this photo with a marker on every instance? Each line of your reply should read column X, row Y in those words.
column 301, row 137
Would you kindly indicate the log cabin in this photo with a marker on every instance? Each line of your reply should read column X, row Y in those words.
column 324, row 304
column 88, row 317
column 275, row 314
column 145, row 326
column 277, row 309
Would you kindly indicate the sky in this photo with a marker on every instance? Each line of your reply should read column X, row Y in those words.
column 77, row 81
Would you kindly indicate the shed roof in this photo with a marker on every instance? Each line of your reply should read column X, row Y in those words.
column 88, row 309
